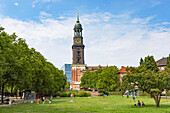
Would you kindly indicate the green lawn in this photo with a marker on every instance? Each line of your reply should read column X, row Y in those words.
column 94, row 104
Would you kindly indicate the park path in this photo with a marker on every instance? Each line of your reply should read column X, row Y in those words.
column 17, row 101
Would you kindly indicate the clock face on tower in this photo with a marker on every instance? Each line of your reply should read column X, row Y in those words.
column 78, row 40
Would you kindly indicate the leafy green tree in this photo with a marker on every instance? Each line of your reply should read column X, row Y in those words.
column 7, row 59
column 67, row 86
column 147, row 78
column 23, row 68
column 85, row 80
column 103, row 79
column 168, row 61
column 141, row 61
column 108, row 80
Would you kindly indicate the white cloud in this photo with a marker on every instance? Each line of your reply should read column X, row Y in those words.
column 155, row 3
column 33, row 5
column 44, row 1
column 45, row 15
column 16, row 4
column 120, row 39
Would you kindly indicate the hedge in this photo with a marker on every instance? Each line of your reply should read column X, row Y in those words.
column 75, row 93
column 115, row 93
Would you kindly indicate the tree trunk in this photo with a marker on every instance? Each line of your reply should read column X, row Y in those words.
column 16, row 94
column 38, row 94
column 2, row 98
column 11, row 89
column 20, row 94
column 157, row 101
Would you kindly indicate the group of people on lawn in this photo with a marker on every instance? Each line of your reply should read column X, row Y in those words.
column 43, row 100
column 138, row 104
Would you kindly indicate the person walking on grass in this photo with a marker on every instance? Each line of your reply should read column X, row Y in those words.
column 133, row 98
column 43, row 99
column 38, row 101
column 51, row 98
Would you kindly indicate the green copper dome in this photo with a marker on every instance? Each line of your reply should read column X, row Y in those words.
column 77, row 25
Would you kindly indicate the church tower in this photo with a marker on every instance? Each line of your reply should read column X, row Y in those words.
column 78, row 47
column 78, row 64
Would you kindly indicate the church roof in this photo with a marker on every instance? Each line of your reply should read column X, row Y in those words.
column 77, row 26
column 94, row 68
column 123, row 70
column 162, row 61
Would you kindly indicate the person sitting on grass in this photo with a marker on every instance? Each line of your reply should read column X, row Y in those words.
column 143, row 103
column 49, row 101
column 139, row 104
column 72, row 96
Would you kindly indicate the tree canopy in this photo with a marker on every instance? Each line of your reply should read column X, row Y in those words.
column 24, row 68
column 148, row 78
column 102, row 79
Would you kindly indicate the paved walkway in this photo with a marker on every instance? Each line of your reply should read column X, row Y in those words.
column 17, row 101
column 94, row 93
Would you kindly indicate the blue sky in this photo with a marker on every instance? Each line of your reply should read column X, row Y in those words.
column 117, row 31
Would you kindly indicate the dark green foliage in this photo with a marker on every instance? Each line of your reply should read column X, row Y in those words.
column 115, row 93
column 148, row 78
column 103, row 79
column 141, row 61
column 105, row 92
column 67, row 86
column 101, row 94
column 24, row 68
column 141, row 93
column 168, row 61
column 75, row 93
column 150, row 64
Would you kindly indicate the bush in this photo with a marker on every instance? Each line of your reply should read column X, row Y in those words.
column 101, row 94
column 81, row 94
column 84, row 94
column 105, row 92
column 88, row 94
column 75, row 93
column 143, row 94
column 168, row 93
column 115, row 93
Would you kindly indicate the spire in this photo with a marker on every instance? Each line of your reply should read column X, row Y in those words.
column 77, row 16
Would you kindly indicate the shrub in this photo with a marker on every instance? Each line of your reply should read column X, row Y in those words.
column 84, row 94
column 115, row 93
column 143, row 94
column 88, row 94
column 168, row 93
column 101, row 94
column 105, row 92
column 81, row 94
column 75, row 93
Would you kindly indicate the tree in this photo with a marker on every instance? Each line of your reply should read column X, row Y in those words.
column 108, row 80
column 67, row 86
column 7, row 59
column 103, row 79
column 168, row 61
column 24, row 68
column 148, row 79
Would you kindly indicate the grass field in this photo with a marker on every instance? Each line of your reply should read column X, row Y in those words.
column 94, row 104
